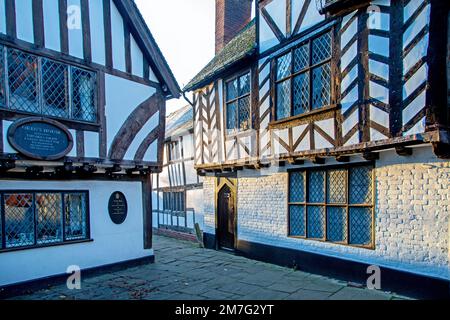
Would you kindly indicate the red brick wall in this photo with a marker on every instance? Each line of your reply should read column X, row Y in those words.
column 231, row 17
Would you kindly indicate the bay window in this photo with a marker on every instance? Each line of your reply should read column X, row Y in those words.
column 34, row 219
column 238, row 104
column 42, row 86
column 334, row 205
column 303, row 78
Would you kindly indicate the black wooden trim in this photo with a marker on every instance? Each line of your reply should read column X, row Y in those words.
column 1, row 135
column 108, row 33
column 63, row 31
column 437, row 94
column 67, row 59
column 22, row 288
column 147, row 211
column 363, row 76
column 146, row 72
column 102, row 114
column 38, row 23
column 80, row 143
column 85, row 20
column 127, row 45
column 396, row 69
column 402, row 282
column 11, row 29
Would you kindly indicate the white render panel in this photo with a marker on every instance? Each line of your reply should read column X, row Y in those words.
column 312, row 17
column 7, row 148
column 148, row 127
column 119, row 105
column 277, row 10
column 73, row 152
column 2, row 17
column 75, row 29
column 415, row 81
column 267, row 38
column 349, row 33
column 51, row 24
column 118, row 38
column 379, row 45
column 126, row 239
column 412, row 215
column 348, row 57
column 137, row 59
column 350, row 122
column 24, row 20
column 379, row 116
column 151, row 155
column 379, row 92
column 414, row 107
column 418, row 52
column 419, row 23
column 91, row 144
column 194, row 200
column 96, row 18
column 379, row 69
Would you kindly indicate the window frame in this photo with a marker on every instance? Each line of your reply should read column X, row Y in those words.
column 326, row 205
column 307, row 70
column 169, row 196
column 236, row 131
column 36, row 245
column 69, row 67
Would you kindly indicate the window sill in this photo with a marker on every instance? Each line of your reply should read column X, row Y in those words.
column 234, row 134
column 287, row 121
column 367, row 247
column 59, row 244
column 10, row 114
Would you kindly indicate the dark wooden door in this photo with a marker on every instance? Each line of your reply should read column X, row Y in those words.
column 226, row 218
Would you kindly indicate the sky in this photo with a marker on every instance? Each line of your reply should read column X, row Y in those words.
column 184, row 31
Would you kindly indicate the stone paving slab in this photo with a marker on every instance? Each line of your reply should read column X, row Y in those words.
column 184, row 271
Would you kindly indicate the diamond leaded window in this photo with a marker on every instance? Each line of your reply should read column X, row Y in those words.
column 238, row 104
column 334, row 205
column 38, row 85
column 303, row 78
column 35, row 219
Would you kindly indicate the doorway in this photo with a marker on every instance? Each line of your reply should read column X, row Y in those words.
column 226, row 218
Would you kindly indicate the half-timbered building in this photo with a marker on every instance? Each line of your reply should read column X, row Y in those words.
column 178, row 190
column 322, row 130
column 83, row 87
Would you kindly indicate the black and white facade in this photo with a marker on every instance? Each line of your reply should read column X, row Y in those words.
column 83, row 87
column 178, row 190
column 322, row 130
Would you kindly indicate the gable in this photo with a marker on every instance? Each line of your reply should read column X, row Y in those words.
column 105, row 33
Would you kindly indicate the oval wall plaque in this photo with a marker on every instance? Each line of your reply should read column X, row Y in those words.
column 118, row 207
column 40, row 139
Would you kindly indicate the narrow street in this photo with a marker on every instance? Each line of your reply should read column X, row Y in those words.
column 183, row 271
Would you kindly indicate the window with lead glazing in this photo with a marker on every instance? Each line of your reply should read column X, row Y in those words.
column 238, row 104
column 46, row 87
column 334, row 205
column 174, row 201
column 303, row 78
column 2, row 78
column 42, row 218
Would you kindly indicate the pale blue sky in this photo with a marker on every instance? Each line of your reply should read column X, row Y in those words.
column 184, row 31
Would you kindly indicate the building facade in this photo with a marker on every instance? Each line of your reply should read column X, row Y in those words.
column 322, row 130
column 178, row 190
column 83, row 87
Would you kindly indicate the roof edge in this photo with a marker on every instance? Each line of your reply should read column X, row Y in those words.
column 131, row 12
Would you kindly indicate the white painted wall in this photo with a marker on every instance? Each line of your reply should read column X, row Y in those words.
column 76, row 29
column 2, row 17
column 412, row 214
column 137, row 58
column 24, row 20
column 51, row 25
column 91, row 144
column 97, row 32
column 118, row 39
column 112, row 243
column 122, row 98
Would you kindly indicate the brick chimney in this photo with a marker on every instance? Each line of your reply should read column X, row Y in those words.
column 231, row 17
